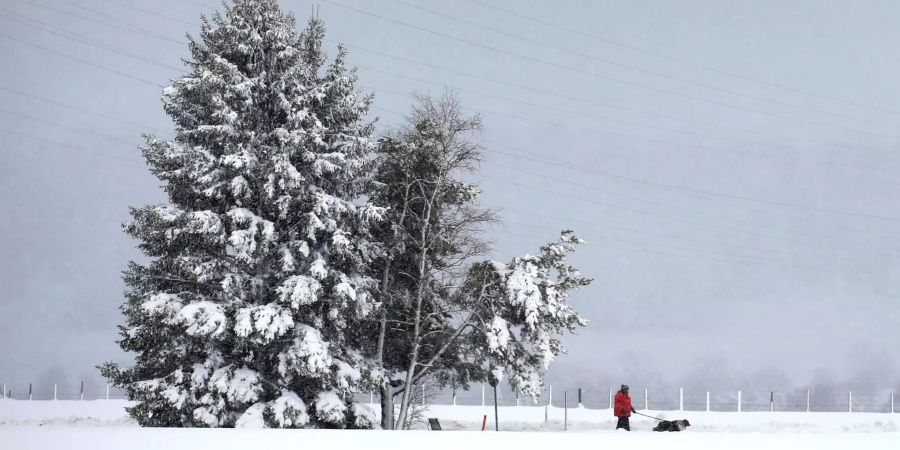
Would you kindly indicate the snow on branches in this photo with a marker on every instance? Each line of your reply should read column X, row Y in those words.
column 248, row 309
column 521, row 308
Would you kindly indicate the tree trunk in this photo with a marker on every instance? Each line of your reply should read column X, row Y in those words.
column 386, row 392
column 387, row 406
column 414, row 353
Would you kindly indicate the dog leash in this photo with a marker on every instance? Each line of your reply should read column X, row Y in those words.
column 654, row 418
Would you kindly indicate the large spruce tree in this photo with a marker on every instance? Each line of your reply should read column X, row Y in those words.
column 245, row 311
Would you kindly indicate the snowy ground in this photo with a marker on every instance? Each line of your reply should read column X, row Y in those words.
column 103, row 424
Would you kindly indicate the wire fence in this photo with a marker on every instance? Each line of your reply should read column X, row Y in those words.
column 831, row 400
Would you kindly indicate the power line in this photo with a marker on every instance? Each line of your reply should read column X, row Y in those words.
column 102, row 135
column 797, row 158
column 63, row 105
column 673, row 187
column 150, row 12
column 607, row 118
column 198, row 4
column 129, row 27
column 593, row 102
column 631, row 179
column 75, row 58
column 755, row 226
column 617, row 63
column 639, row 232
column 87, row 41
column 694, row 253
column 602, row 76
column 680, row 60
column 127, row 142
column 116, row 138
column 65, row 127
column 715, row 194
column 63, row 144
column 675, row 218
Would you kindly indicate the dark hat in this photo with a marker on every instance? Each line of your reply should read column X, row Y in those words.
column 624, row 387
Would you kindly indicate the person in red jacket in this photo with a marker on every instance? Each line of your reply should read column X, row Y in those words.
column 623, row 408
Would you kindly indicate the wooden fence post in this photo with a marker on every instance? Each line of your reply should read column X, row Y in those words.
column 579, row 397
column 771, row 401
column 81, row 392
column 29, row 391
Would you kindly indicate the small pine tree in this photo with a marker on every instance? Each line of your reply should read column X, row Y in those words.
column 256, row 280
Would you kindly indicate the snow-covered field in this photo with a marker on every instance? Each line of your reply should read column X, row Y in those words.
column 103, row 424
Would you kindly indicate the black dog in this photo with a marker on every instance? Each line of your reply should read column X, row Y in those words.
column 672, row 425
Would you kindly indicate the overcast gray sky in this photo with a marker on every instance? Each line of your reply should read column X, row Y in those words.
column 732, row 164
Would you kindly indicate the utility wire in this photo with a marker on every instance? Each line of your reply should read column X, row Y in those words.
column 65, row 127
column 679, row 60
column 593, row 102
column 708, row 193
column 75, row 58
column 747, row 153
column 63, row 144
column 85, row 40
column 67, row 106
column 150, row 12
column 617, row 63
column 122, row 25
column 601, row 76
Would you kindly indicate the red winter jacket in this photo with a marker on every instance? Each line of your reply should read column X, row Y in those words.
column 623, row 405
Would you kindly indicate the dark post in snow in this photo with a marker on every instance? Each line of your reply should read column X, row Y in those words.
column 29, row 391
column 493, row 382
column 579, row 397
column 496, row 414
column 771, row 401
column 81, row 393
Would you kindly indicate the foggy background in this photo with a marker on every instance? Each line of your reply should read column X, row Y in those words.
column 733, row 166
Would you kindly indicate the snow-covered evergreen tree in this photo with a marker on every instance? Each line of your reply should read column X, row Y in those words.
column 246, row 311
column 520, row 309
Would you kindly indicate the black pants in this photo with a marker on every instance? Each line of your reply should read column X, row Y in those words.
column 623, row 423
